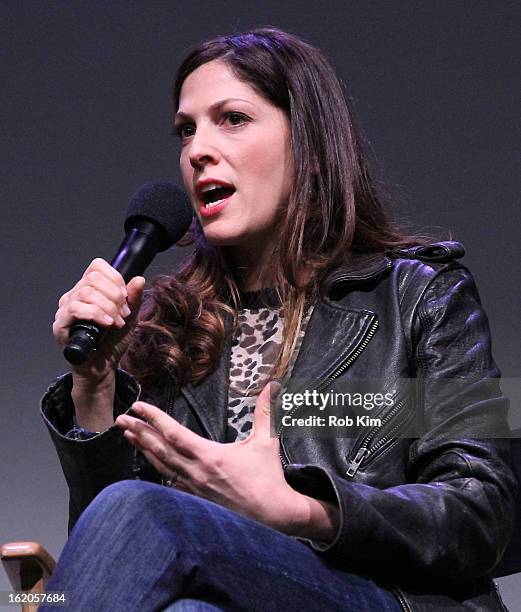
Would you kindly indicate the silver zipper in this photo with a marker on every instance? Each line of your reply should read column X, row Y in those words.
column 401, row 599
column 283, row 460
column 352, row 357
column 364, row 450
column 170, row 401
column 355, row 463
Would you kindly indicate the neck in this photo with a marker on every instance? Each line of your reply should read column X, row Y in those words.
column 251, row 266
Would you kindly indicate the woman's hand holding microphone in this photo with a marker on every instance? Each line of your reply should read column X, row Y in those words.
column 100, row 296
column 158, row 215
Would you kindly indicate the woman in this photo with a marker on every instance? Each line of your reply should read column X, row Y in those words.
column 297, row 274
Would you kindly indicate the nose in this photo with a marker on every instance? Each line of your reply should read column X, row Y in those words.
column 202, row 149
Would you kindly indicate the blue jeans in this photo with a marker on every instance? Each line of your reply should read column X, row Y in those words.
column 141, row 546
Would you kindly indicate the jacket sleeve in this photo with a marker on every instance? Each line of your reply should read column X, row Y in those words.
column 89, row 465
column 452, row 519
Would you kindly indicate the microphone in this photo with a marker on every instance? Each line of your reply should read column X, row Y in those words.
column 158, row 215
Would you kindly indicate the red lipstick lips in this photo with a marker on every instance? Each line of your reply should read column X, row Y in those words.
column 214, row 194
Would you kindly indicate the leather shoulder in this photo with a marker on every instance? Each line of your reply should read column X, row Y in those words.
column 415, row 267
column 415, row 270
column 437, row 252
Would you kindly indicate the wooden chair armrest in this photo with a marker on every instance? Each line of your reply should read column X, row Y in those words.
column 28, row 566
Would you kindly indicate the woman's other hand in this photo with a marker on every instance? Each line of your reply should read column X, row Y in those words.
column 245, row 476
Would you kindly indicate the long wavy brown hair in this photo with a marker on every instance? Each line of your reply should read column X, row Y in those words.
column 333, row 208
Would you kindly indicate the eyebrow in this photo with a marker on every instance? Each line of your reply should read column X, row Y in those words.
column 214, row 106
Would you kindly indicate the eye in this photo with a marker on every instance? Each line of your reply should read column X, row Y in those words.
column 183, row 130
column 236, row 118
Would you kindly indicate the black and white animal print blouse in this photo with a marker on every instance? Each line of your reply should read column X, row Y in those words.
column 255, row 348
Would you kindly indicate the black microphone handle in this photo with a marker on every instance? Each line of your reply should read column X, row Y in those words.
column 137, row 250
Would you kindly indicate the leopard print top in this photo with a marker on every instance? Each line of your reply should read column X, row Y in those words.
column 255, row 348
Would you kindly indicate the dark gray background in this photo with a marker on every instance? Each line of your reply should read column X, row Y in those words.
column 86, row 120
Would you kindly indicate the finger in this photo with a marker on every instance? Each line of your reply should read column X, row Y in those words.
column 118, row 309
column 149, row 438
column 126, row 421
column 181, row 482
column 181, row 438
column 101, row 280
column 165, row 466
column 102, row 266
column 166, row 469
column 115, row 292
column 65, row 298
column 98, row 290
column 77, row 310
column 135, row 289
column 262, row 412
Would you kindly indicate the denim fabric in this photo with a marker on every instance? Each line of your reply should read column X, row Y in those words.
column 190, row 605
column 140, row 546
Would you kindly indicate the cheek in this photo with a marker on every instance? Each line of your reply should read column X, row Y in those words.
column 276, row 173
column 187, row 174
column 265, row 163
column 185, row 167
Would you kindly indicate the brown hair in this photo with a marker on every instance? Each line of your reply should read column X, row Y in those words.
column 333, row 208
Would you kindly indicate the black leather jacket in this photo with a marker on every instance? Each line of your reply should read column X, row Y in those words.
column 428, row 517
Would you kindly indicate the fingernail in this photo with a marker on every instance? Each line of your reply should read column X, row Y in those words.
column 124, row 292
column 125, row 310
column 137, row 409
column 108, row 319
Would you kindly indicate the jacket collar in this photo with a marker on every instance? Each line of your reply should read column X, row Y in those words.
column 357, row 267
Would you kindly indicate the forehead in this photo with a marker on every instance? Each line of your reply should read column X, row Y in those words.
column 211, row 81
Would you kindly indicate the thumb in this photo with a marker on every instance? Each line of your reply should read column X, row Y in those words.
column 262, row 412
column 135, row 288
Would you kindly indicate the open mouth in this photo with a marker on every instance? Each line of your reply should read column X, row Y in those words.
column 216, row 195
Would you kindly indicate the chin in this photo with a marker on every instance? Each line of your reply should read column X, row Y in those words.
column 223, row 238
column 222, row 242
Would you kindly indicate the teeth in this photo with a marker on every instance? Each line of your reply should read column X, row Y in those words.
column 210, row 186
column 214, row 203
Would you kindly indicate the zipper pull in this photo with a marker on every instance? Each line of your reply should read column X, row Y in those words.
column 355, row 463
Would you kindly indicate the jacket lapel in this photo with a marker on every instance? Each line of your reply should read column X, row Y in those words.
column 209, row 399
column 333, row 334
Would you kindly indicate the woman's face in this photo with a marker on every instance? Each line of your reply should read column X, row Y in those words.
column 234, row 139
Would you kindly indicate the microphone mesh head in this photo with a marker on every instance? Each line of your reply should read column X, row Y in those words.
column 164, row 205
